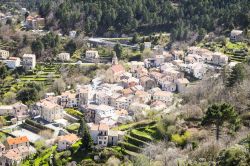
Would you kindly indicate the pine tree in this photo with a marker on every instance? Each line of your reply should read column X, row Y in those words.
column 236, row 76
column 83, row 132
column 219, row 114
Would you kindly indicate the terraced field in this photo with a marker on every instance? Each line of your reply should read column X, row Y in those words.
column 42, row 74
column 139, row 137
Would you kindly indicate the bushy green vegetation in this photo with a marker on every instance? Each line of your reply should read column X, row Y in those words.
column 180, row 140
column 74, row 113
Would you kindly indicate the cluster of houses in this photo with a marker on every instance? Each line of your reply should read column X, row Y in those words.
column 34, row 22
column 14, row 150
column 28, row 60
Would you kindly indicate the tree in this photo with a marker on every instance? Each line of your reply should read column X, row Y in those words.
column 118, row 50
column 70, row 47
column 37, row 47
column 218, row 114
column 3, row 70
column 27, row 94
column 59, row 86
column 135, row 38
column 83, row 132
column 236, row 76
column 9, row 97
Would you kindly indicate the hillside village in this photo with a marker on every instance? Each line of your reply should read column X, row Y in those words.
column 133, row 99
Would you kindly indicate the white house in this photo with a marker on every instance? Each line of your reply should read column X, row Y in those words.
column 63, row 56
column 13, row 62
column 168, row 86
column 92, row 54
column 103, row 111
column 236, row 35
column 103, row 136
column 147, row 45
column 182, row 84
column 219, row 59
column 29, row 61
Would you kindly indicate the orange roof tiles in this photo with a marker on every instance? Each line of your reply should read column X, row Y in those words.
column 117, row 68
column 19, row 140
column 69, row 138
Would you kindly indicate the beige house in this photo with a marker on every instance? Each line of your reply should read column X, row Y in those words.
column 4, row 54
column 164, row 96
column 49, row 110
column 29, row 61
column 66, row 141
column 142, row 97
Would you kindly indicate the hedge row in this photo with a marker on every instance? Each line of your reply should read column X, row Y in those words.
column 130, row 147
column 37, row 125
column 30, row 128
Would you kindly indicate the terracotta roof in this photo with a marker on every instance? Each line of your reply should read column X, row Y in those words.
column 69, row 94
column 117, row 68
column 69, row 138
column 17, row 153
column 94, row 127
column 162, row 93
column 103, row 127
column 97, row 127
column 121, row 112
column 13, row 58
column 127, row 91
column 141, row 93
column 19, row 140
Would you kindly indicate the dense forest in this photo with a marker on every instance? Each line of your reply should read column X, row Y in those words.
column 115, row 17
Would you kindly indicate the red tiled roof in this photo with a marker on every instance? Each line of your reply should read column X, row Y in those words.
column 117, row 68
column 19, row 140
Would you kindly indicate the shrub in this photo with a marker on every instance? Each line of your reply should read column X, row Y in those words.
column 180, row 140
column 74, row 113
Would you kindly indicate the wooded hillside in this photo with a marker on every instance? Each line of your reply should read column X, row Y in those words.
column 111, row 17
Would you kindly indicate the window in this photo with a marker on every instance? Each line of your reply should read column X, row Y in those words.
column 104, row 142
column 100, row 142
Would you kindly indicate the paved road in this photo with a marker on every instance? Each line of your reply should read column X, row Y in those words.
column 105, row 41
column 68, row 63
